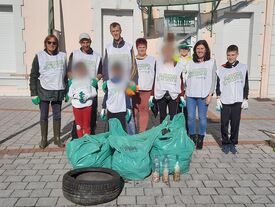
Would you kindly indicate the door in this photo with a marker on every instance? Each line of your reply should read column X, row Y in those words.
column 7, row 48
column 124, row 18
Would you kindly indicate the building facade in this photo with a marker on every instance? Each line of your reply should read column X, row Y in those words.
column 248, row 23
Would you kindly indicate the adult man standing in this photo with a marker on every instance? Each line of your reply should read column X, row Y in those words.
column 120, row 51
column 93, row 62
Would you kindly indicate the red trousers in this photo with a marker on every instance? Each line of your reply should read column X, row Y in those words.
column 82, row 117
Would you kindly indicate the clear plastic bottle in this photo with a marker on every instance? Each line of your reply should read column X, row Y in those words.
column 155, row 173
column 165, row 174
column 176, row 175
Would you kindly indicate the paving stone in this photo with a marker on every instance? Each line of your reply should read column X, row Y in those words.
column 243, row 191
column 40, row 193
column 153, row 191
column 146, row 200
column 194, row 183
column 4, row 186
column 184, row 199
column 53, row 185
column 263, row 183
column 46, row 202
column 261, row 190
column 225, row 191
column 47, row 178
column 207, row 191
column 171, row 191
column 202, row 199
column 222, row 199
column 56, row 192
column 259, row 199
column 241, row 199
column 17, row 185
column 165, row 199
column 134, row 191
column 8, row 202
column 32, row 178
column 21, row 193
column 212, row 183
column 26, row 202
column 14, row 178
column 36, row 185
column 5, row 193
column 229, row 183
column 127, row 200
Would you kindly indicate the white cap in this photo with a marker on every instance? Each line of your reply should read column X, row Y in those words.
column 84, row 36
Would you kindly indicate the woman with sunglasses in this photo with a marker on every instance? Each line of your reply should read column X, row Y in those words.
column 200, row 85
column 48, row 82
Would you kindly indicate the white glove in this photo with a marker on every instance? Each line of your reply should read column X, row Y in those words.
column 218, row 105
column 245, row 104
column 182, row 103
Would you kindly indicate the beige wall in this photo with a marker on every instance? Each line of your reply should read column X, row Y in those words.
column 77, row 19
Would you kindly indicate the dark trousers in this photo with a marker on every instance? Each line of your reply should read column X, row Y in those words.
column 120, row 116
column 172, row 107
column 230, row 114
column 44, row 110
column 93, row 119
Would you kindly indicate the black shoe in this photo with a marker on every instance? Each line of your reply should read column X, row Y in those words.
column 233, row 149
column 200, row 142
column 226, row 148
column 193, row 137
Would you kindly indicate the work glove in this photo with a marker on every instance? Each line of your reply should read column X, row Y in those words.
column 70, row 82
column 128, row 115
column 218, row 105
column 104, row 86
column 36, row 100
column 66, row 98
column 245, row 104
column 103, row 115
column 150, row 102
column 182, row 103
column 94, row 83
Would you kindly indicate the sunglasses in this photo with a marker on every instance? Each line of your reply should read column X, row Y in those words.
column 51, row 43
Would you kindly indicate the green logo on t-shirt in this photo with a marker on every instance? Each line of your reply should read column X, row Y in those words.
column 233, row 77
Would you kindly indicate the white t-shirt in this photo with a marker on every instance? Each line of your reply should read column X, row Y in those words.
column 199, row 78
column 52, row 69
column 146, row 73
column 116, row 99
column 168, row 78
column 121, row 55
column 91, row 61
column 232, row 81
column 82, row 87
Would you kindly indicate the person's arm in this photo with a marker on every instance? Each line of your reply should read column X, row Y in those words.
column 153, row 87
column 99, row 70
column 34, row 75
column 134, row 70
column 182, row 86
column 214, row 79
column 104, row 106
column 246, row 87
column 128, row 102
column 218, row 90
column 105, row 67
column 69, row 73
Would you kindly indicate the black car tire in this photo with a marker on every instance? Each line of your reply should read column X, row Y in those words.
column 92, row 186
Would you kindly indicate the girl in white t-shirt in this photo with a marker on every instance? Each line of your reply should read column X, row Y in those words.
column 82, row 93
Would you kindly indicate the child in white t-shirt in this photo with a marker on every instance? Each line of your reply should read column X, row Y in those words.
column 82, row 93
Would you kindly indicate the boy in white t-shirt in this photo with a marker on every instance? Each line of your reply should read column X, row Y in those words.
column 116, row 103
column 232, row 94
column 82, row 93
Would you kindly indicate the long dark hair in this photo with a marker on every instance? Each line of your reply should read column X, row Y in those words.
column 207, row 53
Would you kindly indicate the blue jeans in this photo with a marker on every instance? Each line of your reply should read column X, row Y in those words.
column 192, row 104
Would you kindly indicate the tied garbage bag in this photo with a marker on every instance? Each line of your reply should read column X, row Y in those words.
column 93, row 150
column 175, row 144
column 131, row 157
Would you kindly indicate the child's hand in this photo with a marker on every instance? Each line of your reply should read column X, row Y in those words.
column 128, row 115
column 36, row 100
column 245, row 104
column 218, row 105
column 103, row 115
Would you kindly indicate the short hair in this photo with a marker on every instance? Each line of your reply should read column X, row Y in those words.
column 141, row 41
column 115, row 24
column 232, row 48
column 48, row 38
column 207, row 53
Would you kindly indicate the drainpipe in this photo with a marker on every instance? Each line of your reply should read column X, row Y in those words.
column 267, row 39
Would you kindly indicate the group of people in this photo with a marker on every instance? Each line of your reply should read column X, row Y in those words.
column 176, row 82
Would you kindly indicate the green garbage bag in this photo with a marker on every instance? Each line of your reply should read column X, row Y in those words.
column 131, row 157
column 93, row 150
column 175, row 144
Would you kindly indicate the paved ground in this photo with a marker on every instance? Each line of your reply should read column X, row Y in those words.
column 32, row 177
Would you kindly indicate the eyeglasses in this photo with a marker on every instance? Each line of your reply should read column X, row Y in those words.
column 51, row 43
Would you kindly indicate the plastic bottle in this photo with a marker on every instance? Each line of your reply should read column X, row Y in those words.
column 165, row 174
column 155, row 173
column 176, row 175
